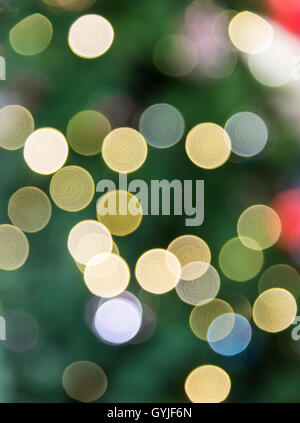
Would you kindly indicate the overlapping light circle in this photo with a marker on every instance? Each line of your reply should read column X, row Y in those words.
column 106, row 275
column 87, row 239
column 118, row 320
column 259, row 227
column 158, row 271
column 229, row 334
column 202, row 316
column 201, row 290
column 193, row 254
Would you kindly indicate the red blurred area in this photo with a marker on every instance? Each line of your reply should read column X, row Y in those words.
column 286, row 12
column 287, row 206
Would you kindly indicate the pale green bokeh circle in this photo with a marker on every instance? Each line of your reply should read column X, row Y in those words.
column 86, row 132
column 32, row 35
column 238, row 262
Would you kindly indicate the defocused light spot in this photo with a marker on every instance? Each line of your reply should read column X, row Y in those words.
column 280, row 276
column 259, row 227
column 267, row 69
column 193, row 254
column 72, row 188
column 46, row 151
column 120, row 211
column 7, row 279
column 107, row 275
column 119, row 319
column 124, row 150
column 29, row 209
column 201, row 290
column 202, row 316
column 14, row 247
column 208, row 145
column 84, row 381
column 175, row 55
column 239, row 262
column 16, row 124
column 250, row 33
column 86, row 132
column 75, row 5
column 158, row 271
column 274, row 310
column 248, row 134
column 287, row 206
column 207, row 384
column 22, row 331
column 90, row 36
column 233, row 342
column 162, row 125
column 87, row 239
column 239, row 303
column 32, row 35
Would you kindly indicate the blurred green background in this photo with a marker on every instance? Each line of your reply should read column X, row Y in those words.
column 54, row 86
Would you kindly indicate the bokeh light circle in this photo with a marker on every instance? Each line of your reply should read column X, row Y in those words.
column 201, row 290
column 248, row 133
column 207, row 384
column 14, row 247
column 32, row 35
column 124, row 150
column 175, row 55
column 86, row 132
column 158, row 271
column 106, row 275
column 22, row 331
column 87, row 239
column 29, row 209
column 162, row 125
column 118, row 320
column 250, row 33
column 274, row 310
column 208, row 145
column 16, row 124
column 120, row 211
column 236, row 340
column 202, row 316
column 259, row 227
column 72, row 188
column 84, row 381
column 193, row 254
column 280, row 276
column 46, row 151
column 90, row 36
column 239, row 262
